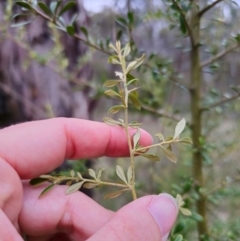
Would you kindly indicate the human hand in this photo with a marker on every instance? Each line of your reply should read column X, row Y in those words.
column 31, row 149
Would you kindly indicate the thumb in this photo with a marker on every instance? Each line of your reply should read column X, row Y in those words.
column 147, row 218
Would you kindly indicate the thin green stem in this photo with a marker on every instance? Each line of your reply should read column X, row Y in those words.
column 157, row 144
column 60, row 179
column 126, row 93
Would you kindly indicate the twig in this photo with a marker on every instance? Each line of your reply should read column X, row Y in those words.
column 22, row 99
column 221, row 102
column 221, row 185
column 185, row 22
column 219, row 55
column 208, row 7
column 37, row 12
column 160, row 113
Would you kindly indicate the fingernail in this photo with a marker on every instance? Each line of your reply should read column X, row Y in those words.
column 164, row 210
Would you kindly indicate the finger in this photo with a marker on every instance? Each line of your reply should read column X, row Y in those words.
column 10, row 192
column 147, row 218
column 38, row 147
column 8, row 231
column 76, row 215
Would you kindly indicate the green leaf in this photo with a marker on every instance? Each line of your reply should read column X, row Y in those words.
column 183, row 27
column 185, row 211
column 136, row 138
column 72, row 173
column 73, row 19
column 79, row 175
column 74, row 188
column 111, row 46
column 57, row 6
column 66, row 8
column 84, row 31
column 160, row 136
column 44, row 8
column 127, row 50
column 53, row 6
column 133, row 81
column 130, row 18
column 21, row 20
column 112, row 93
column 179, row 237
column 151, row 157
column 186, row 140
column 119, row 34
column 99, row 173
column 90, row 185
column 135, row 101
column 37, row 181
column 179, row 128
column 111, row 122
column 111, row 83
column 113, row 60
column 115, row 109
column 68, row 183
column 115, row 194
column 134, row 64
column 169, row 155
column 92, row 173
column 70, row 30
column 129, row 174
column 47, row 189
column 120, row 173
column 24, row 5
column 121, row 21
column 135, row 124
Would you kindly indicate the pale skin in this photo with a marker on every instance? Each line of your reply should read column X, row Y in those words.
column 31, row 149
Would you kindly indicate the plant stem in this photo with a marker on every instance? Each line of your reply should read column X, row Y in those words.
column 196, row 127
column 60, row 179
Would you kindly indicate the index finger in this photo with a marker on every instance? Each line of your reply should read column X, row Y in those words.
column 38, row 147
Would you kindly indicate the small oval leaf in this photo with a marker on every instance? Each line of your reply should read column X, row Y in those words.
column 84, row 31
column 66, row 8
column 92, row 173
column 74, row 188
column 111, row 83
column 120, row 173
column 115, row 109
column 37, row 181
column 169, row 155
column 90, row 185
column 186, row 140
column 112, row 93
column 151, row 157
column 111, row 122
column 70, row 30
column 115, row 194
column 129, row 174
column 136, row 138
column 179, row 128
column 47, row 189
column 99, row 173
column 45, row 8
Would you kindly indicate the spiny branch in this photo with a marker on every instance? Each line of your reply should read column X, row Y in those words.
column 185, row 22
column 219, row 55
column 39, row 112
column 208, row 7
column 37, row 12
column 160, row 113
column 221, row 102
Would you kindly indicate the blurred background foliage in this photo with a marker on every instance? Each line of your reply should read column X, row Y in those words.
column 48, row 71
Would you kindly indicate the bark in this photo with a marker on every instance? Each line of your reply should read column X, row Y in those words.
column 196, row 114
column 39, row 84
